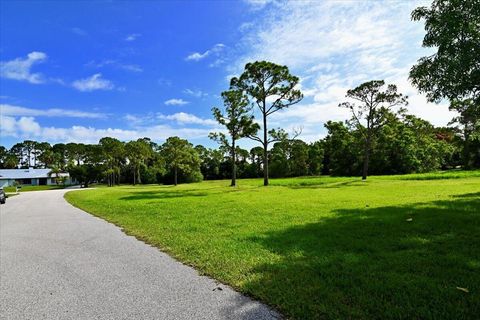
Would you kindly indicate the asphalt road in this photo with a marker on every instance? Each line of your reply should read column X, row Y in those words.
column 58, row 262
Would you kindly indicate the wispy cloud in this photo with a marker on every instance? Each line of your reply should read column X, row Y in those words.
column 79, row 31
column 187, row 118
column 176, row 102
column 132, row 36
column 164, row 82
column 115, row 64
column 259, row 4
column 30, row 128
column 95, row 82
column 197, row 56
column 20, row 68
column 336, row 46
column 195, row 93
column 131, row 67
column 10, row 110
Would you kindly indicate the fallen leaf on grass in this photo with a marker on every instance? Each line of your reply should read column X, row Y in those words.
column 463, row 289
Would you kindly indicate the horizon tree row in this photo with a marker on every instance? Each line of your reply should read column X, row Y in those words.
column 403, row 144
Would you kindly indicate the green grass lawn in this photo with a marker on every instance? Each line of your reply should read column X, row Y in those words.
column 33, row 188
column 319, row 248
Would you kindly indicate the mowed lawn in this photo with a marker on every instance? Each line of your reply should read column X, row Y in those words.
column 319, row 248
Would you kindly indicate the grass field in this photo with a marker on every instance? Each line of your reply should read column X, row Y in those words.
column 320, row 248
column 33, row 188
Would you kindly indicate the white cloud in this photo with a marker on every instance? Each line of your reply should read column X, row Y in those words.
column 10, row 110
column 197, row 56
column 164, row 82
column 131, row 67
column 176, row 102
column 132, row 36
column 334, row 46
column 22, row 127
column 29, row 128
column 116, row 64
column 259, row 4
column 79, row 32
column 95, row 82
column 195, row 93
column 187, row 118
column 19, row 68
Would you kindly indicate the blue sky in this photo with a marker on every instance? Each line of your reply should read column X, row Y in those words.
column 78, row 71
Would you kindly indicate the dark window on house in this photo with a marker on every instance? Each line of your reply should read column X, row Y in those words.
column 24, row 181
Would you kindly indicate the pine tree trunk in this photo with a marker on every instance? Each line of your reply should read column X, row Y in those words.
column 366, row 158
column 234, row 165
column 265, row 151
column 175, row 175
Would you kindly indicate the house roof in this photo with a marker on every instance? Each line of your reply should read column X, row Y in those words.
column 24, row 173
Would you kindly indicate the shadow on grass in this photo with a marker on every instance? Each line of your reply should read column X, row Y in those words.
column 377, row 263
column 161, row 194
column 319, row 184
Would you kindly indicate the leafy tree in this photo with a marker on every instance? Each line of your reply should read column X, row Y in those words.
column 180, row 155
column 370, row 115
column 7, row 159
column 342, row 149
column 137, row 153
column 29, row 147
column 453, row 71
column 238, row 122
column 76, row 152
column 56, row 171
column 85, row 173
column 18, row 151
column 271, row 88
column 256, row 158
column 48, row 158
column 211, row 162
column 60, row 154
column 114, row 155
column 468, row 124
column 289, row 158
column 43, row 154
column 315, row 158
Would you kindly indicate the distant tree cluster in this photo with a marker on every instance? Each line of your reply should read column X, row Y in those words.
column 403, row 144
column 110, row 161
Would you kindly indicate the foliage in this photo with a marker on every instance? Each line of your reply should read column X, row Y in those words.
column 85, row 174
column 238, row 122
column 371, row 114
column 271, row 88
column 405, row 144
column 453, row 71
column 468, row 126
column 138, row 152
column 180, row 155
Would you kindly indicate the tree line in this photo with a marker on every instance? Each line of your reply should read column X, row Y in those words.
column 402, row 144
column 379, row 138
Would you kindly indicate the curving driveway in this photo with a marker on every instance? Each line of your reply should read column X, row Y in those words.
column 58, row 262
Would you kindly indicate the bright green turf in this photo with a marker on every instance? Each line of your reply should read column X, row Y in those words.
column 33, row 188
column 319, row 248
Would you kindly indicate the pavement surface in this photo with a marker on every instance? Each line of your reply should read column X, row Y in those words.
column 59, row 262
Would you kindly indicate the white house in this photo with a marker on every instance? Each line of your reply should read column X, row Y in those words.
column 30, row 176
